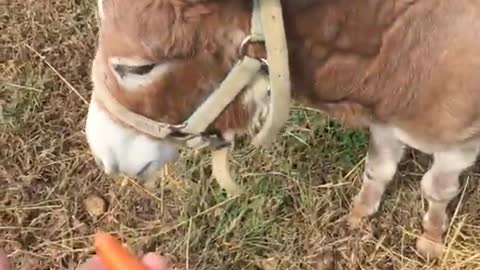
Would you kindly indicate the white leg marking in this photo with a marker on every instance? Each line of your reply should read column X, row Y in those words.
column 440, row 185
column 384, row 154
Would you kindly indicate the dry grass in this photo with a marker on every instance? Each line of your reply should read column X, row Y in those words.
column 298, row 190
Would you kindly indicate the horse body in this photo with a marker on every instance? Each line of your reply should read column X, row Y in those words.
column 405, row 69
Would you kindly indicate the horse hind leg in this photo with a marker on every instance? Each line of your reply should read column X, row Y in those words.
column 440, row 185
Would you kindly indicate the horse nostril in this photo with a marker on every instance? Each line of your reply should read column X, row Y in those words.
column 144, row 169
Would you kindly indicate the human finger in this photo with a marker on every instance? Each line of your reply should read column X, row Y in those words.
column 4, row 263
column 155, row 262
column 93, row 263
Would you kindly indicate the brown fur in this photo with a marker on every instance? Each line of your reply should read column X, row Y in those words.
column 409, row 64
column 360, row 61
column 173, row 98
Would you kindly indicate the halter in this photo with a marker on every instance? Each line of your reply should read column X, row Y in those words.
column 266, row 27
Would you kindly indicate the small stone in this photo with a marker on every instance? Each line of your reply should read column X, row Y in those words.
column 269, row 264
column 151, row 183
column 124, row 182
column 218, row 212
column 95, row 205
column 325, row 260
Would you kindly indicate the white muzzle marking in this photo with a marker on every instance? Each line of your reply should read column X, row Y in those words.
column 120, row 149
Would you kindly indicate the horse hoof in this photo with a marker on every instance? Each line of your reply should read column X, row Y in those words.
column 429, row 248
column 354, row 222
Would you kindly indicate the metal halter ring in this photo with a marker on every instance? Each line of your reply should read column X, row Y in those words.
column 265, row 63
column 176, row 127
column 242, row 49
column 244, row 43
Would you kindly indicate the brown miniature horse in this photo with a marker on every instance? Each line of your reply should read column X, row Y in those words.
column 406, row 69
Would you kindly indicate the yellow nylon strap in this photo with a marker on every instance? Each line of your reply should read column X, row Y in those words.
column 221, row 172
column 256, row 28
column 267, row 19
column 277, row 52
column 137, row 121
column 239, row 77
column 220, row 168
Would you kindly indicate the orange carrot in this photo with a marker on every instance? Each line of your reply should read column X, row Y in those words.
column 113, row 255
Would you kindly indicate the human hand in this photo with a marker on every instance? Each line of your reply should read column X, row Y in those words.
column 151, row 260
column 4, row 264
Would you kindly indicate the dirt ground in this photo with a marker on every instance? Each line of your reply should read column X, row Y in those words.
column 298, row 190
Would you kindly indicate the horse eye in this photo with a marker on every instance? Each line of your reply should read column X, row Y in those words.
column 124, row 70
column 141, row 70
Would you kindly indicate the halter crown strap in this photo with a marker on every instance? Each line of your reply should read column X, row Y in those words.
column 270, row 12
column 256, row 28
